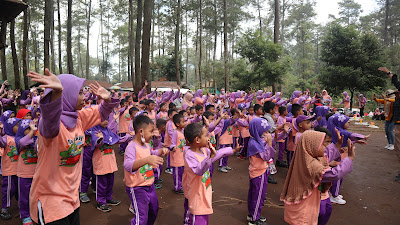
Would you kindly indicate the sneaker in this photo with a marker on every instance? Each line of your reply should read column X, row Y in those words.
column 121, row 152
column 169, row 171
column 340, row 196
column 258, row 222
column 113, row 202
column 337, row 200
column 5, row 215
column 27, row 221
column 179, row 192
column 262, row 219
column 131, row 209
column 397, row 179
column 272, row 180
column 103, row 208
column 222, row 169
column 159, row 181
column 391, row 147
column 282, row 164
column 84, row 198
column 387, row 146
column 158, row 186
column 241, row 157
column 227, row 168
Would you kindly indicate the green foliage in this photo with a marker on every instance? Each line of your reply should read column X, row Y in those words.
column 351, row 61
column 165, row 67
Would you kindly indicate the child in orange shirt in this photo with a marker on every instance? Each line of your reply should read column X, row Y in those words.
column 54, row 195
column 196, row 181
column 9, row 162
column 226, row 139
column 25, row 141
column 170, row 129
column 139, row 161
column 176, row 156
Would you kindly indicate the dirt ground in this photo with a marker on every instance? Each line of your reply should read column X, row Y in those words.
column 370, row 191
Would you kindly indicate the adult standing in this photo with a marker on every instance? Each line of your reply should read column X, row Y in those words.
column 388, row 111
column 396, row 114
column 362, row 101
column 326, row 99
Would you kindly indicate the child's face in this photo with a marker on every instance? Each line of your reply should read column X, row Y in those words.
column 172, row 115
column 181, row 123
column 125, row 104
column 305, row 125
column 104, row 123
column 162, row 128
column 192, row 111
column 142, row 106
column 299, row 113
column 236, row 115
column 12, row 115
column 185, row 114
column 203, row 139
column 211, row 118
column 327, row 141
column 346, row 125
column 260, row 111
column 147, row 132
column 28, row 116
column 81, row 100
column 251, row 111
column 212, row 110
column 151, row 106
column 130, row 100
column 200, row 112
column 133, row 114
column 285, row 113
column 164, row 108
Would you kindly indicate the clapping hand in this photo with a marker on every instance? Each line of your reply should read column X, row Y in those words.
column 100, row 92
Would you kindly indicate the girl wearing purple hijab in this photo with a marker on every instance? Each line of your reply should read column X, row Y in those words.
column 54, row 196
column 259, row 151
column 9, row 162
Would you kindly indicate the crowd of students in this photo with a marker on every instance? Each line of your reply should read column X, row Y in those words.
column 61, row 140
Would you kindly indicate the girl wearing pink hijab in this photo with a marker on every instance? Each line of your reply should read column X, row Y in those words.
column 187, row 100
column 54, row 196
column 326, row 99
column 346, row 100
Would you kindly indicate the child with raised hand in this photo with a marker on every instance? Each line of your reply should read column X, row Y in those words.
column 9, row 163
column 260, row 151
column 309, row 174
column 25, row 141
column 196, row 181
column 139, row 161
column 54, row 193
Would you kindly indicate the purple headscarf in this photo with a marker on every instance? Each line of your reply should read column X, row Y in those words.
column 267, row 95
column 6, row 115
column 109, row 137
column 257, row 127
column 301, row 99
column 72, row 86
column 259, row 92
column 345, row 94
column 198, row 93
column 338, row 121
column 20, row 133
column 238, row 94
column 289, row 109
column 321, row 111
column 295, row 94
column 9, row 125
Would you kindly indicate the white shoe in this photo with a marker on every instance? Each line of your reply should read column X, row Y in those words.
column 222, row 169
column 338, row 200
column 387, row 146
column 340, row 196
column 227, row 168
column 391, row 147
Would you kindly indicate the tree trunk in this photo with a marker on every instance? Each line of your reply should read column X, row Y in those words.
column 276, row 36
column 47, row 28
column 147, row 14
column 187, row 50
column 385, row 36
column 226, row 47
column 69, row 39
column 89, row 11
column 60, row 71
column 137, row 45
column 259, row 14
column 200, row 39
column 283, row 22
column 14, row 56
column 177, row 24
column 52, row 57
column 215, row 45
column 25, row 51
column 3, row 51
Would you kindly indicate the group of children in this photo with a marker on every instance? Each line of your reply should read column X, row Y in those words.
column 44, row 140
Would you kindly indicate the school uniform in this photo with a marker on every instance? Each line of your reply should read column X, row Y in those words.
column 176, row 158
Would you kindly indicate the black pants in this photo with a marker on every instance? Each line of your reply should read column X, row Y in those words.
column 71, row 219
column 362, row 111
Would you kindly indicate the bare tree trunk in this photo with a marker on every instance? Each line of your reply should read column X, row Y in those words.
column 200, row 39
column 25, row 51
column 60, row 71
column 259, row 14
column 69, row 39
column 215, row 46
column 137, row 45
column 47, row 28
column 147, row 14
column 385, row 36
column 52, row 57
column 187, row 50
column 276, row 35
column 282, row 34
column 3, row 51
column 152, row 36
column 177, row 66
column 226, row 47
column 89, row 11
column 17, row 76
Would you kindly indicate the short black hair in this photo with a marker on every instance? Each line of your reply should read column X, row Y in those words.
column 122, row 102
column 171, row 105
column 133, row 109
column 257, row 106
column 191, row 108
column 162, row 104
column 198, row 107
column 140, row 122
column 127, row 97
column 251, row 106
column 324, row 130
column 282, row 109
column 209, row 107
column 207, row 114
column 329, row 115
column 182, row 112
column 160, row 123
column 142, row 102
column 177, row 118
column 296, row 108
column 170, row 111
column 192, row 131
column 268, row 106
column 233, row 111
column 149, row 101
